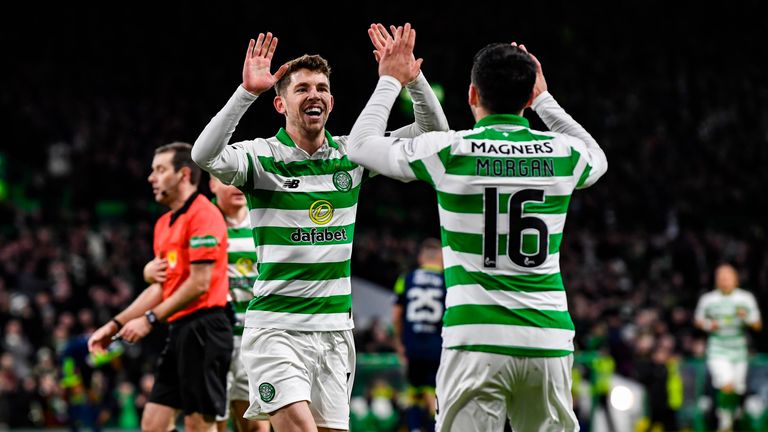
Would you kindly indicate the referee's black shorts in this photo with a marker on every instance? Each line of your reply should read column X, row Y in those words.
column 192, row 370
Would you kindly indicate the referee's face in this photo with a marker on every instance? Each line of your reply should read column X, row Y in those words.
column 164, row 178
column 306, row 101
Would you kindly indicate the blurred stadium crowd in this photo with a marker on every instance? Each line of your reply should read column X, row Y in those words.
column 681, row 112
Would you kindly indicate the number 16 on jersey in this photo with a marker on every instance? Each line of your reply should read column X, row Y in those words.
column 520, row 226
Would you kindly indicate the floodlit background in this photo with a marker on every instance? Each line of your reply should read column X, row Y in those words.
column 675, row 94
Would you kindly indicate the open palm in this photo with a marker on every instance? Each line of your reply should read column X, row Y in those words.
column 397, row 58
column 258, row 60
column 382, row 39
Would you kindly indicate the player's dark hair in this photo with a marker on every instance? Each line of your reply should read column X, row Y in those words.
column 313, row 63
column 503, row 76
column 182, row 157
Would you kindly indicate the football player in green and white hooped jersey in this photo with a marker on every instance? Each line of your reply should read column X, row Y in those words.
column 725, row 313
column 503, row 192
column 302, row 192
column 241, row 254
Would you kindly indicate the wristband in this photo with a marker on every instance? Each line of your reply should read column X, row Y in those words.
column 117, row 323
column 150, row 315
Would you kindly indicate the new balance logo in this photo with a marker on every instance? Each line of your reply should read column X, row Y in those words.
column 291, row 183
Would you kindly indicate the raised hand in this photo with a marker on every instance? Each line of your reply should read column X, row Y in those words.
column 540, row 86
column 397, row 57
column 257, row 77
column 380, row 38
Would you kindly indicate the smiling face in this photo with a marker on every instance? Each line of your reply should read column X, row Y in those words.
column 306, row 101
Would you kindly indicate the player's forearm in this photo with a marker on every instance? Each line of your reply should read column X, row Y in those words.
column 148, row 277
column 427, row 110
column 148, row 299
column 189, row 291
column 705, row 324
column 557, row 120
column 210, row 150
column 367, row 145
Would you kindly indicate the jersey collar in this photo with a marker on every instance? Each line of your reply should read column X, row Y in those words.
column 187, row 204
column 495, row 119
column 284, row 138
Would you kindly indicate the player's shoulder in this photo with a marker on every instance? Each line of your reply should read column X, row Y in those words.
column 341, row 140
column 257, row 146
column 442, row 137
column 426, row 276
column 741, row 292
column 710, row 295
column 558, row 139
column 203, row 208
column 339, row 146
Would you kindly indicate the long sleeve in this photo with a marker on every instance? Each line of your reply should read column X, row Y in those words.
column 699, row 312
column 211, row 152
column 753, row 313
column 557, row 120
column 367, row 144
column 427, row 110
column 390, row 156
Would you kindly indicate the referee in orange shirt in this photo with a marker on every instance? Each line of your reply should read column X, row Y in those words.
column 188, row 290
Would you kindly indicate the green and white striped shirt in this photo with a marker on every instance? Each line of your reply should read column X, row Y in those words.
column 303, row 210
column 729, row 340
column 503, row 192
column 241, row 270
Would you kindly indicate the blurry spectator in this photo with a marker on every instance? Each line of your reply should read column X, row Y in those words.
column 127, row 414
column 16, row 344
column 603, row 368
column 682, row 195
column 375, row 339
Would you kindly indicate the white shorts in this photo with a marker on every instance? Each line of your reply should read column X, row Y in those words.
column 725, row 371
column 478, row 391
column 287, row 366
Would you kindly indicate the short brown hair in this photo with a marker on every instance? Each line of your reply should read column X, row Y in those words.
column 313, row 63
column 182, row 157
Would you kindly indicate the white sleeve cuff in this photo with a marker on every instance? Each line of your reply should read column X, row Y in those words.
column 244, row 95
column 392, row 80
